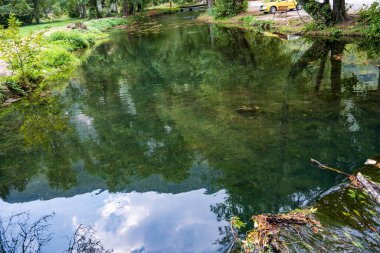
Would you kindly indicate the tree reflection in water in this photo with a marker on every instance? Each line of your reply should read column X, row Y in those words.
column 18, row 234
column 157, row 112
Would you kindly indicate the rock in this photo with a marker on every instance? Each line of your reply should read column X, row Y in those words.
column 10, row 101
column 247, row 109
column 78, row 25
column 370, row 162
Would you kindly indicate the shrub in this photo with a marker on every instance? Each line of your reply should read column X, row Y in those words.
column 319, row 12
column 20, row 53
column 73, row 39
column 224, row 8
column 370, row 16
column 56, row 57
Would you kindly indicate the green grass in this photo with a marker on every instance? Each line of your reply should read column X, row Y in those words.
column 57, row 60
column 165, row 6
column 49, row 24
column 104, row 24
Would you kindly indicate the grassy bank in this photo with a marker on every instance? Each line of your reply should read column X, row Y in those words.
column 290, row 25
column 48, row 51
column 58, row 23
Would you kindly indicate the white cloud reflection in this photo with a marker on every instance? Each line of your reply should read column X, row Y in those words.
column 133, row 222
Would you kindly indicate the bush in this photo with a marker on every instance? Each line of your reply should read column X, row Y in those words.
column 56, row 57
column 370, row 16
column 74, row 40
column 20, row 53
column 319, row 12
column 224, row 8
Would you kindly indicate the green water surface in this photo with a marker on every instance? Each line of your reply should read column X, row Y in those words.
column 157, row 109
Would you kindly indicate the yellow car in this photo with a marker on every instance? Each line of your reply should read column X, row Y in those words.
column 273, row 5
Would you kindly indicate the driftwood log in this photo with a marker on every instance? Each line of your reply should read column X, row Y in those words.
column 369, row 187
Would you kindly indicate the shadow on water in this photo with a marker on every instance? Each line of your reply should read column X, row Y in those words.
column 156, row 111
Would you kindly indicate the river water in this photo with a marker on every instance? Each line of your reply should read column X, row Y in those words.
column 167, row 131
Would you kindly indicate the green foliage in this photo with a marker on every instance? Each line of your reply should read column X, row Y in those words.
column 244, row 6
column 314, row 26
column 20, row 52
column 263, row 25
column 236, row 223
column 56, row 57
column 20, row 8
column 73, row 40
column 138, row 18
column 336, row 33
column 107, row 23
column 224, row 8
column 320, row 12
column 370, row 16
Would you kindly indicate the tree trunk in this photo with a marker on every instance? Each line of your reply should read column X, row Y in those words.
column 139, row 7
column 36, row 11
column 94, row 6
column 132, row 9
column 210, row 3
column 83, row 12
column 339, row 11
column 114, row 7
column 125, row 9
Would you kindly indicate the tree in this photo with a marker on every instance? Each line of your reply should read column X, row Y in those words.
column 20, row 8
column 339, row 11
column 93, row 8
column 18, row 235
column 223, row 8
column 82, row 8
column 125, row 8
column 323, row 12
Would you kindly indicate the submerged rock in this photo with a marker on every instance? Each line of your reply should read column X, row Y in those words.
column 370, row 162
column 247, row 109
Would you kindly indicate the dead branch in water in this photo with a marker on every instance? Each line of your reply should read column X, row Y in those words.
column 322, row 166
column 369, row 187
column 358, row 181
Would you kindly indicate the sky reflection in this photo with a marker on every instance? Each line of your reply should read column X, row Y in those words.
column 132, row 222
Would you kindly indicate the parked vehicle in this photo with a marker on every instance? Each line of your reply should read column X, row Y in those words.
column 273, row 6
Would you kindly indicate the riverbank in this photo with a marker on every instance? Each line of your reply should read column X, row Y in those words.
column 292, row 23
column 57, row 50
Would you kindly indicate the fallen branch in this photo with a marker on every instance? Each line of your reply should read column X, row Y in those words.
column 369, row 187
column 358, row 181
column 320, row 165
